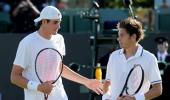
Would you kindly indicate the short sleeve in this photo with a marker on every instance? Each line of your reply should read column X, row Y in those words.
column 63, row 47
column 60, row 44
column 22, row 55
column 154, row 73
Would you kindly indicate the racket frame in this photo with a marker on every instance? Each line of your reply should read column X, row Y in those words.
column 46, row 95
column 125, row 85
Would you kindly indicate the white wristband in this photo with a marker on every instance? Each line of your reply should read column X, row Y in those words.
column 32, row 85
column 139, row 97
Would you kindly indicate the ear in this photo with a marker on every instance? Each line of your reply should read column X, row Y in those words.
column 44, row 21
column 166, row 44
column 133, row 37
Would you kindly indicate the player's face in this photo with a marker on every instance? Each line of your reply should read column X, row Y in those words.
column 125, row 40
column 53, row 26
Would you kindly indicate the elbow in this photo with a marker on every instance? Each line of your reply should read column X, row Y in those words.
column 15, row 74
column 160, row 91
column 12, row 79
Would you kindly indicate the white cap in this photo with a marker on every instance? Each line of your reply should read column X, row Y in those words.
column 49, row 12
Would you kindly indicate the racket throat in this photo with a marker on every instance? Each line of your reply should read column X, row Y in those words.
column 45, row 96
column 126, row 89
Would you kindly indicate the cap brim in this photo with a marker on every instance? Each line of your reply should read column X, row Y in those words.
column 37, row 19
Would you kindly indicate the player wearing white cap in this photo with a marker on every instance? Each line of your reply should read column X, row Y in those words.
column 23, row 73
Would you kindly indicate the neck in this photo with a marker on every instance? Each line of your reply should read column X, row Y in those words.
column 45, row 34
column 131, row 50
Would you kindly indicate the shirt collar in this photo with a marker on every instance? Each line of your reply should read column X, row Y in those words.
column 138, row 53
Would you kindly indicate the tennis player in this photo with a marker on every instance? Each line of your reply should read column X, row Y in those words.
column 122, row 61
column 23, row 72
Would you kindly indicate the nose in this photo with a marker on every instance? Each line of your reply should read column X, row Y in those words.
column 59, row 26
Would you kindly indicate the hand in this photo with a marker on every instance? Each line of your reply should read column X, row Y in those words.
column 126, row 97
column 106, row 84
column 46, row 87
column 95, row 85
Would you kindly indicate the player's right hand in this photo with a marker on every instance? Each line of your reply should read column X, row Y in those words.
column 46, row 87
column 106, row 84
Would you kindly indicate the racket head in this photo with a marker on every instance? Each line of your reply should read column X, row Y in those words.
column 48, row 65
column 134, row 80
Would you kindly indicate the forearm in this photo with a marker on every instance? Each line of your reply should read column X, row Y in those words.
column 154, row 92
column 73, row 76
column 17, row 78
column 19, row 81
column 32, row 6
column 91, row 84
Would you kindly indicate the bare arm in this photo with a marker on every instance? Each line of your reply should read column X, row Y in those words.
column 73, row 76
column 92, row 84
column 16, row 77
column 154, row 92
column 33, row 7
column 20, row 81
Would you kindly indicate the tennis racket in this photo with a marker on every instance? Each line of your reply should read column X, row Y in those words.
column 48, row 66
column 133, row 81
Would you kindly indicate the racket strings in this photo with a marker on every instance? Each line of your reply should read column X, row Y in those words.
column 48, row 66
column 135, row 80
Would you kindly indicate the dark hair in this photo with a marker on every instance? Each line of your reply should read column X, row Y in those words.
column 132, row 26
column 38, row 24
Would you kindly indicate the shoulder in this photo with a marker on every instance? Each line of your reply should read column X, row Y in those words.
column 148, row 54
column 116, row 53
column 28, row 39
column 59, row 36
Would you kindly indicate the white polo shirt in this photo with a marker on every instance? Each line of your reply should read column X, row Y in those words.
column 118, row 67
column 25, row 57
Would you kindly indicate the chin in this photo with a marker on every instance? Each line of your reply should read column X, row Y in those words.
column 120, row 45
column 54, row 33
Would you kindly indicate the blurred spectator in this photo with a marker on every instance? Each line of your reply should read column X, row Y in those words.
column 162, row 48
column 164, row 4
column 52, row 2
column 5, row 7
column 22, row 17
column 162, row 52
column 161, row 4
column 62, row 4
column 82, row 4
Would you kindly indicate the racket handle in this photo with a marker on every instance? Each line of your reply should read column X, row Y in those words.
column 45, row 96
